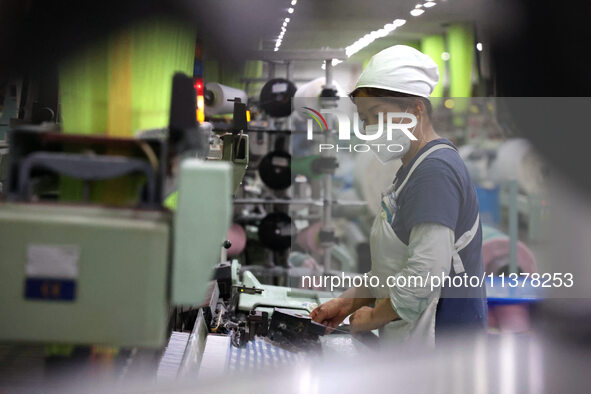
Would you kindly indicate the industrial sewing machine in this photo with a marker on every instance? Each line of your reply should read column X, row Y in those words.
column 79, row 268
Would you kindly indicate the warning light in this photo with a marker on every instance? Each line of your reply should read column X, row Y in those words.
column 200, row 112
column 247, row 115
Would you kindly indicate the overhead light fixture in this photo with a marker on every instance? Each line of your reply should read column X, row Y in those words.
column 286, row 20
column 479, row 47
column 417, row 12
column 372, row 36
column 445, row 56
column 429, row 4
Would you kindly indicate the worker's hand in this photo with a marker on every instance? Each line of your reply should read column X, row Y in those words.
column 332, row 313
column 363, row 320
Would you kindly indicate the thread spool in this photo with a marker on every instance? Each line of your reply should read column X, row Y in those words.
column 276, row 230
column 275, row 98
column 237, row 236
column 275, row 170
column 217, row 95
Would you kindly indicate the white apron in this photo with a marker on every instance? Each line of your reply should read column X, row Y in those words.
column 389, row 256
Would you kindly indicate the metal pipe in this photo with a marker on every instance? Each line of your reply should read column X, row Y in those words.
column 327, row 177
column 513, row 226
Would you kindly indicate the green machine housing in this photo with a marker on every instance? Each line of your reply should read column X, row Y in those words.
column 92, row 274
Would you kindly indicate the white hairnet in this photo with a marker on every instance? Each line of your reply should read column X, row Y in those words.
column 400, row 68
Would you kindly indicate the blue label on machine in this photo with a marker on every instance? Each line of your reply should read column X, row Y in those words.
column 50, row 289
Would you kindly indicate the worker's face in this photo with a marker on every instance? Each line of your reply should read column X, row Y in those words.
column 369, row 109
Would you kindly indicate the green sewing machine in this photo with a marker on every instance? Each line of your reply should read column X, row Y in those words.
column 80, row 271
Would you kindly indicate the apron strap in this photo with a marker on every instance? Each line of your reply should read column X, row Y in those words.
column 461, row 243
column 467, row 237
column 419, row 161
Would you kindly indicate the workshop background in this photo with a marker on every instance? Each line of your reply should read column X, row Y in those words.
column 160, row 204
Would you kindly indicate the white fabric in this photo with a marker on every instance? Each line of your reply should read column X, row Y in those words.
column 400, row 68
column 430, row 252
column 461, row 243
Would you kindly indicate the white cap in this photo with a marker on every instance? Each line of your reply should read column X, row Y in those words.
column 401, row 69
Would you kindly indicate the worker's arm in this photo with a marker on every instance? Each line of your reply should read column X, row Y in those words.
column 430, row 253
column 333, row 312
column 367, row 318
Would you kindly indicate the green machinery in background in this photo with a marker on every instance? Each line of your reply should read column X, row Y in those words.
column 86, row 273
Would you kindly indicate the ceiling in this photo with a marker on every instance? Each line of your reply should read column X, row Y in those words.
column 233, row 28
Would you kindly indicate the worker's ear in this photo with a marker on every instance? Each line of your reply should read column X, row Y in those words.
column 419, row 109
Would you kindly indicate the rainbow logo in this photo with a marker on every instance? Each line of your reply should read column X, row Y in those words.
column 317, row 117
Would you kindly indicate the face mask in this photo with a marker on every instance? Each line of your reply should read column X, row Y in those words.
column 400, row 143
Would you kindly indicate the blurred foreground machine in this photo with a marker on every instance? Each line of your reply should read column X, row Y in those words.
column 87, row 272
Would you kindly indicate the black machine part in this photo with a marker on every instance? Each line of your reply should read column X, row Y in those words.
column 223, row 276
column 294, row 328
column 324, row 165
column 276, row 230
column 276, row 97
column 239, row 118
column 87, row 168
column 184, row 134
column 256, row 324
column 35, row 154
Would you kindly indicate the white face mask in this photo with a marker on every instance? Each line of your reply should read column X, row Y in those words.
column 392, row 149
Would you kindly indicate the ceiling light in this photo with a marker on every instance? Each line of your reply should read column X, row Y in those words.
column 287, row 20
column 276, row 49
column 419, row 6
column 294, row 2
column 445, row 56
column 417, row 12
column 290, row 10
column 372, row 36
column 479, row 47
column 389, row 27
column 429, row 4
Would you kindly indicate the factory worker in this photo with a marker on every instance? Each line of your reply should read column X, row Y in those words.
column 428, row 224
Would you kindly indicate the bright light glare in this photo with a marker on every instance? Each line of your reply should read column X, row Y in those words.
column 372, row 36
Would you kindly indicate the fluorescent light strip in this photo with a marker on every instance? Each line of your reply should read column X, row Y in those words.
column 372, row 36
column 383, row 32
column 279, row 39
